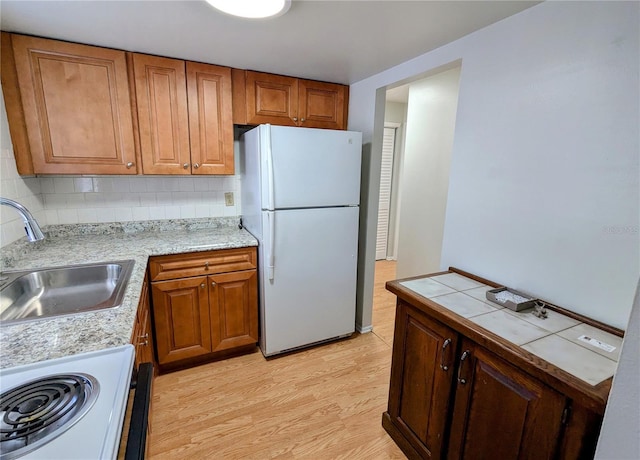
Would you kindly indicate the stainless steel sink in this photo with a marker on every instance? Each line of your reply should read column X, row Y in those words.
column 56, row 291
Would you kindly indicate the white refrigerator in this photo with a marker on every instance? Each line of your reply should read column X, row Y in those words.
column 300, row 197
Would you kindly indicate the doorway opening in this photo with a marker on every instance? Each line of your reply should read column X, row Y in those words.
column 419, row 125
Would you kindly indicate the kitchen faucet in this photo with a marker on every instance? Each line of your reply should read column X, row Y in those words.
column 30, row 225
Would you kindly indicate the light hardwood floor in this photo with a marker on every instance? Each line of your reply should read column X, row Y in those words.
column 321, row 403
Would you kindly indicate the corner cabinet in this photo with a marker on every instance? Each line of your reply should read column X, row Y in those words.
column 205, row 305
column 289, row 101
column 68, row 106
column 184, row 116
column 457, row 393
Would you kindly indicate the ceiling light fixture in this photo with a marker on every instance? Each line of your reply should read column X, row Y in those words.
column 252, row 9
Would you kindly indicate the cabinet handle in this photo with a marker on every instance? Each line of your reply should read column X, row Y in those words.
column 146, row 340
column 443, row 366
column 185, row 166
column 301, row 120
column 129, row 165
column 202, row 285
column 213, row 284
column 196, row 165
column 206, row 265
column 295, row 118
column 465, row 354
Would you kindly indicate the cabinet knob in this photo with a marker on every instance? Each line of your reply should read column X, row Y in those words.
column 295, row 118
column 213, row 284
column 301, row 120
column 206, row 265
column 202, row 285
column 130, row 165
column 185, row 166
column 146, row 340
column 196, row 165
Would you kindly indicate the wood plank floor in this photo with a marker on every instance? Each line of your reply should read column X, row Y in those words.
column 321, row 403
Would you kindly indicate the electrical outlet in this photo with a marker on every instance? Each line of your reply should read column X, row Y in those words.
column 228, row 198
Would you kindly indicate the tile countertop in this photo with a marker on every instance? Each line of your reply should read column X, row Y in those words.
column 78, row 244
column 557, row 339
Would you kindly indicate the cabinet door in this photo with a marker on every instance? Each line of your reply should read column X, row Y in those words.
column 501, row 412
column 421, row 377
column 140, row 337
column 161, row 98
column 233, row 300
column 322, row 105
column 271, row 99
column 77, row 107
column 210, row 118
column 181, row 318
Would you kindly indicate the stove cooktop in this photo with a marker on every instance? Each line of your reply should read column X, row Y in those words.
column 66, row 408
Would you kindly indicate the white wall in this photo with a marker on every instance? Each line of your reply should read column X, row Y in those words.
column 620, row 438
column 431, row 116
column 544, row 190
column 75, row 199
column 544, row 174
column 553, row 91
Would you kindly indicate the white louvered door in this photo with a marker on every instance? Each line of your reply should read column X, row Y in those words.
column 386, row 174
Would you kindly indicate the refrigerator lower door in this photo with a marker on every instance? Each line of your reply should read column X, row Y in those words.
column 312, row 296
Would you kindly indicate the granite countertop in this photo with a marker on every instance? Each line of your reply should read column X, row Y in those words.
column 34, row 341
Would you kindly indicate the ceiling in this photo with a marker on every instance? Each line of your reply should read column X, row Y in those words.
column 337, row 41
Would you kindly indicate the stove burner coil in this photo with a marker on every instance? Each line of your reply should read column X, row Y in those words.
column 39, row 411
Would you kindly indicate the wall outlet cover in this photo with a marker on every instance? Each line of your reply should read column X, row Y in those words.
column 228, row 198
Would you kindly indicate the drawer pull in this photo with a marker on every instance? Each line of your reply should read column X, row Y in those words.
column 206, row 265
column 465, row 354
column 443, row 366
column 146, row 340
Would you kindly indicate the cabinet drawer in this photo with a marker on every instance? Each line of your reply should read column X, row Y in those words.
column 202, row 263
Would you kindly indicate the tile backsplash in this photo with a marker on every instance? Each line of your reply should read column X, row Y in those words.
column 72, row 199
column 25, row 191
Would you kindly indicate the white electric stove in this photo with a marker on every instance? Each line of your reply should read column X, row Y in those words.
column 42, row 414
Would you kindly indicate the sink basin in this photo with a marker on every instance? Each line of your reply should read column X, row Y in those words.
column 56, row 291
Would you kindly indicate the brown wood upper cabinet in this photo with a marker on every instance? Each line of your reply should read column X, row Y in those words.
column 185, row 116
column 68, row 106
column 289, row 101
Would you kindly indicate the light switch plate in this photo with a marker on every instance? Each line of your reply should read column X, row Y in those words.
column 228, row 198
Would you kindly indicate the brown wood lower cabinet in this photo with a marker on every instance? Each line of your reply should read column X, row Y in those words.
column 421, row 378
column 201, row 318
column 142, row 336
column 450, row 397
column 501, row 412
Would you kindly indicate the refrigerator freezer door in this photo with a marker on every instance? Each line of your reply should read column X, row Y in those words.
column 312, row 296
column 306, row 168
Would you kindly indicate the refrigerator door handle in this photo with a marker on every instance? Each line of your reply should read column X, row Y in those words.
column 271, row 249
column 266, row 148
